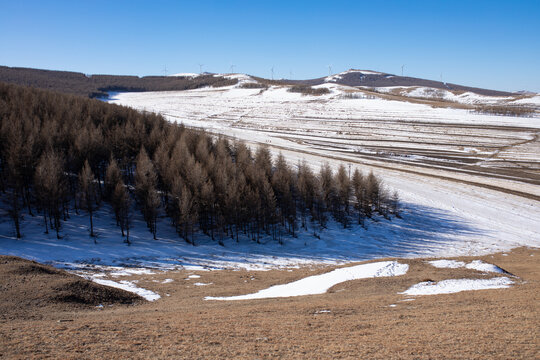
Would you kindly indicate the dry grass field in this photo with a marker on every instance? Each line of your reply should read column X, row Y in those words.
column 356, row 319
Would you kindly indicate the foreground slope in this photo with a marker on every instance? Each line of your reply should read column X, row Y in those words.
column 366, row 318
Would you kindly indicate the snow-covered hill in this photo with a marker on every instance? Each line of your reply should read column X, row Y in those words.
column 467, row 180
column 472, row 169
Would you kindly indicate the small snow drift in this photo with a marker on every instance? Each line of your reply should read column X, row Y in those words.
column 474, row 265
column 485, row 267
column 457, row 285
column 129, row 286
column 446, row 264
column 319, row 284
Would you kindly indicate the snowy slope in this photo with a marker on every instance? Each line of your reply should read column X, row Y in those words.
column 440, row 217
column 471, row 219
column 461, row 97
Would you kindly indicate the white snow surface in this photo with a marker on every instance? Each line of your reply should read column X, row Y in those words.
column 448, row 264
column 122, row 271
column 128, row 286
column 439, row 218
column 474, row 265
column 319, row 284
column 191, row 75
column 458, row 97
column 457, row 285
column 530, row 100
column 484, row 267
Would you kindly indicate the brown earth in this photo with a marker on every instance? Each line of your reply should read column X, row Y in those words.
column 29, row 290
column 353, row 320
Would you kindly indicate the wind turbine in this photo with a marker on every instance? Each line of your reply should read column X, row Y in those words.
column 232, row 69
column 329, row 70
column 272, row 70
column 164, row 71
column 402, row 66
column 200, row 68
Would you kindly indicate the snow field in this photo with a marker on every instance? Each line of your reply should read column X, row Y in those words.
column 440, row 218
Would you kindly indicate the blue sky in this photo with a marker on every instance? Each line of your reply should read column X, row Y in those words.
column 491, row 44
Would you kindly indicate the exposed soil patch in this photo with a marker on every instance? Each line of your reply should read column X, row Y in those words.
column 30, row 290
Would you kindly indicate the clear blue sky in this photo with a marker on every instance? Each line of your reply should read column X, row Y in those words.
column 493, row 44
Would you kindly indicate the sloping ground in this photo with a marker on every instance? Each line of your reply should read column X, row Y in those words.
column 360, row 78
column 360, row 319
column 482, row 169
column 29, row 290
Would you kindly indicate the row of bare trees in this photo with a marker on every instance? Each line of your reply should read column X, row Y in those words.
column 61, row 153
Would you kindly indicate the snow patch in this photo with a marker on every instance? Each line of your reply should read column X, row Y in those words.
column 448, row 264
column 240, row 77
column 129, row 286
column 474, row 265
column 131, row 271
column 191, row 75
column 322, row 312
column 457, row 285
column 319, row 284
column 484, row 267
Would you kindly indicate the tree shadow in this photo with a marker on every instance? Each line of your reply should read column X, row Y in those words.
column 421, row 231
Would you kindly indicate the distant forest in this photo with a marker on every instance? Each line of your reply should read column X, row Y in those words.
column 95, row 86
column 62, row 153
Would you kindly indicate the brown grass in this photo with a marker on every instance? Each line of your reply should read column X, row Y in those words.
column 31, row 290
column 360, row 323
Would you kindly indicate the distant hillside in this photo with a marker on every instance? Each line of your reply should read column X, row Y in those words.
column 99, row 85
column 377, row 79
